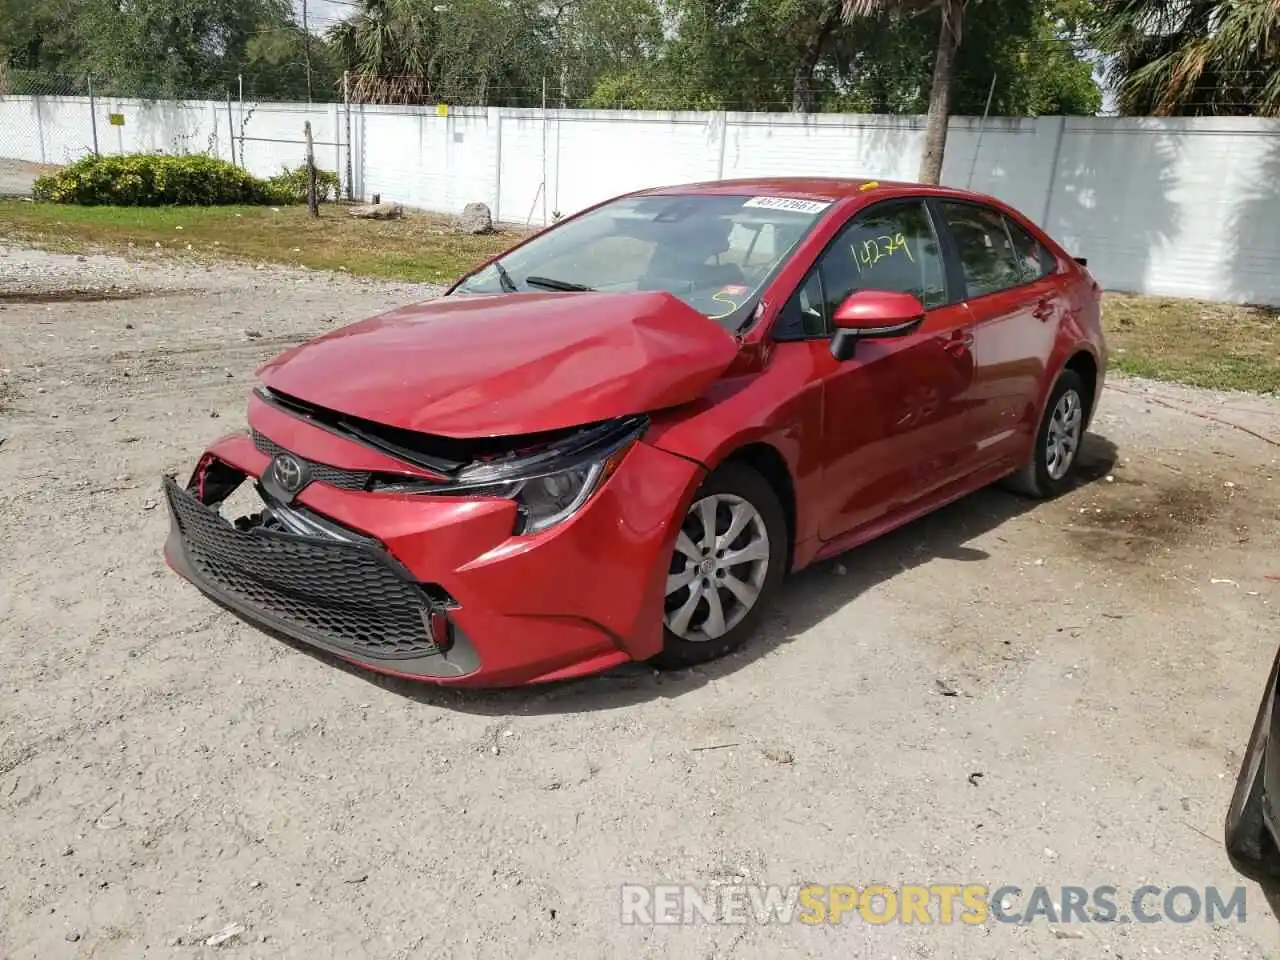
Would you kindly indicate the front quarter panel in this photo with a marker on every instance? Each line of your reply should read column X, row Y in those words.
column 778, row 404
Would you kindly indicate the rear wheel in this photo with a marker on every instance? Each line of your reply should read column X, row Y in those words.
column 1057, row 446
column 729, row 558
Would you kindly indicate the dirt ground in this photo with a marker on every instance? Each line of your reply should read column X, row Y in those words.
column 166, row 771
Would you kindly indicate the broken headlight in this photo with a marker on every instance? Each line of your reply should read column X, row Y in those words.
column 544, row 501
column 550, row 483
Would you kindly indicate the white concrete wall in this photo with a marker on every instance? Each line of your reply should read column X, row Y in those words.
column 274, row 135
column 428, row 161
column 1184, row 207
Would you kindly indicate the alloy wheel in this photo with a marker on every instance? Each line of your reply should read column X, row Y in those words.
column 718, row 568
column 1062, row 441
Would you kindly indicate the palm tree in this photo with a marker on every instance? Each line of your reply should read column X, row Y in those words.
column 949, row 33
column 1202, row 57
column 486, row 52
column 387, row 44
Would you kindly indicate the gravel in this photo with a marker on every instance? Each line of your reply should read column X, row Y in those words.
column 168, row 773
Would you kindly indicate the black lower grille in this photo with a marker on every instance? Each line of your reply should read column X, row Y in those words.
column 348, row 595
column 320, row 472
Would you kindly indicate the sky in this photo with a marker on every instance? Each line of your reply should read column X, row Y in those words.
column 324, row 13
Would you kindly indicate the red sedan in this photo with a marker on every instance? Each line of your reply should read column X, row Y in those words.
column 612, row 442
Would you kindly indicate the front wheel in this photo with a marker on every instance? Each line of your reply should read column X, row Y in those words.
column 728, row 560
column 1057, row 445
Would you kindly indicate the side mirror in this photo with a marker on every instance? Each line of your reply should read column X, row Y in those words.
column 873, row 314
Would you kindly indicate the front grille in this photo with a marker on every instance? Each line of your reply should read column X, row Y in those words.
column 320, row 472
column 348, row 595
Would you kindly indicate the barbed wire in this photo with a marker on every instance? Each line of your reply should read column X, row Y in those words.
column 483, row 90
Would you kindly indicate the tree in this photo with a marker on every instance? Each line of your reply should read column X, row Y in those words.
column 592, row 39
column 1038, row 54
column 173, row 48
column 498, row 52
column 1198, row 57
column 275, row 67
column 156, row 48
column 788, row 55
column 42, row 36
column 387, row 47
column 823, row 26
column 734, row 54
column 775, row 55
column 951, row 24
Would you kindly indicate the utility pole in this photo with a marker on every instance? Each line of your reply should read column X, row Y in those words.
column 306, row 47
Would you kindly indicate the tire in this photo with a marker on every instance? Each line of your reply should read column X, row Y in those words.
column 1041, row 476
column 1250, row 846
column 690, row 632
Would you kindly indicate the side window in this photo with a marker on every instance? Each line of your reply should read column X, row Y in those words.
column 889, row 247
column 892, row 246
column 1035, row 260
column 987, row 256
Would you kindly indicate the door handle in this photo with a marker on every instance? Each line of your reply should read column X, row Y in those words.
column 959, row 343
column 1043, row 310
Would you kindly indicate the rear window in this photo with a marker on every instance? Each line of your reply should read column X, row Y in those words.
column 1036, row 261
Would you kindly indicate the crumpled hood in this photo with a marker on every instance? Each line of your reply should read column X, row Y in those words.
column 473, row 366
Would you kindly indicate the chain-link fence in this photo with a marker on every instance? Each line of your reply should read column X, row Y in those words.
column 49, row 120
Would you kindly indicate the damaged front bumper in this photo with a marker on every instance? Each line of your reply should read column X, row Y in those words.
column 437, row 588
column 344, row 594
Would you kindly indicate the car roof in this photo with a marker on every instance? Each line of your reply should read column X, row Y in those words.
column 808, row 188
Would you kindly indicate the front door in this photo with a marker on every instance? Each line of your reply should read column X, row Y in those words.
column 893, row 415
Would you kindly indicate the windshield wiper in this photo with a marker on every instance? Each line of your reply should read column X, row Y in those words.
column 551, row 284
column 504, row 278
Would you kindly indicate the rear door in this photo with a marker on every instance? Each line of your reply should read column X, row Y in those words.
column 1015, row 299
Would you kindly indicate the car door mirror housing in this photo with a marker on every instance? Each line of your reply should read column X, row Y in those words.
column 873, row 314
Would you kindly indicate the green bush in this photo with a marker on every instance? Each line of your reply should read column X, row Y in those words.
column 290, row 186
column 157, row 180
column 151, row 180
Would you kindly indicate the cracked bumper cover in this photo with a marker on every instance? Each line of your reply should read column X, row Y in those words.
column 573, row 600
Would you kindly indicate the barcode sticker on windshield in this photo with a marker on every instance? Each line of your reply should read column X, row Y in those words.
column 788, row 203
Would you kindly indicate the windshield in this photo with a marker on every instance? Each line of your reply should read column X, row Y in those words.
column 713, row 252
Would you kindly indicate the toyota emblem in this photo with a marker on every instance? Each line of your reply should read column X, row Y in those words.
column 289, row 473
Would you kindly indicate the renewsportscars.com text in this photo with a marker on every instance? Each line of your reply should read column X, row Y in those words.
column 924, row 904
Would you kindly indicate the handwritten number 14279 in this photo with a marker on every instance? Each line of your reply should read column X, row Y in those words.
column 873, row 250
